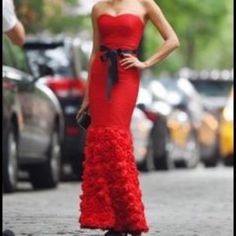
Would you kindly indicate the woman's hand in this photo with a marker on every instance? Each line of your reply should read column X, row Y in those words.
column 131, row 61
column 83, row 107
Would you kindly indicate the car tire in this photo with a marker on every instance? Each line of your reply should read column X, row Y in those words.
column 213, row 160
column 147, row 163
column 161, row 140
column 210, row 163
column 77, row 166
column 228, row 161
column 10, row 161
column 47, row 174
column 8, row 232
column 164, row 163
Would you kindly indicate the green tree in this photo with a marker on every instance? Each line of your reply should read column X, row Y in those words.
column 30, row 14
column 39, row 15
column 202, row 27
column 205, row 29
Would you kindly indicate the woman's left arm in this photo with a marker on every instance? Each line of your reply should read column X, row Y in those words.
column 156, row 16
column 171, row 40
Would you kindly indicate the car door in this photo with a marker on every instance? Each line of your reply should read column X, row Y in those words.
column 10, row 106
column 37, row 109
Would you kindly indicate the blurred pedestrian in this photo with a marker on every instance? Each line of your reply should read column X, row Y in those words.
column 111, row 196
column 12, row 27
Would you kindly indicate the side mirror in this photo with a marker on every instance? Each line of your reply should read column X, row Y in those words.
column 141, row 106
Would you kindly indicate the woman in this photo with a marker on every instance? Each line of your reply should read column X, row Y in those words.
column 111, row 196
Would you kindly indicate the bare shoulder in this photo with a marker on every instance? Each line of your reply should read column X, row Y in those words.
column 98, row 6
column 148, row 3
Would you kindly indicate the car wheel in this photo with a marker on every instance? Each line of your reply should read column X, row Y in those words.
column 10, row 162
column 148, row 162
column 229, row 160
column 164, row 163
column 162, row 158
column 47, row 174
column 212, row 161
column 77, row 166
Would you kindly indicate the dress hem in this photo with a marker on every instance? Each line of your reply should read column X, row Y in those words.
column 105, row 202
column 112, row 228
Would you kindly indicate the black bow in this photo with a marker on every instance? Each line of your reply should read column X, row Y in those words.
column 111, row 56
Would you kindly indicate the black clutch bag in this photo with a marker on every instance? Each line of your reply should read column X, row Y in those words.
column 84, row 120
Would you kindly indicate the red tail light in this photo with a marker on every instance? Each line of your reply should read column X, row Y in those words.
column 72, row 131
column 66, row 87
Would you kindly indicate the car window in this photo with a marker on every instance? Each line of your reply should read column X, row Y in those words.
column 56, row 59
column 213, row 88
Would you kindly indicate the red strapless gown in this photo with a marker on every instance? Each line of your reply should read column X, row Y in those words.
column 111, row 195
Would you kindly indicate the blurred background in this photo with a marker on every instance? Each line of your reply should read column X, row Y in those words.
column 184, row 112
column 205, row 30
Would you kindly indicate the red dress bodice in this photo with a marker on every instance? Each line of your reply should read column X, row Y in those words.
column 124, row 30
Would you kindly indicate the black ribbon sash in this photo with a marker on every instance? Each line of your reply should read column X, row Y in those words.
column 110, row 55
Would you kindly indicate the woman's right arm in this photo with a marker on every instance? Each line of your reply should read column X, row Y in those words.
column 95, row 48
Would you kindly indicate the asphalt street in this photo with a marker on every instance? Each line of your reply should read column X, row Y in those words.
column 181, row 202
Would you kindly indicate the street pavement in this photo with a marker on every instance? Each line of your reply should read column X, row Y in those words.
column 181, row 202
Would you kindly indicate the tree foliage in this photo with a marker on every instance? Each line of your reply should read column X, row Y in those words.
column 40, row 15
column 205, row 32
column 205, row 29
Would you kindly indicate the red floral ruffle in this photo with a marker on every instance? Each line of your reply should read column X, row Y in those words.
column 111, row 196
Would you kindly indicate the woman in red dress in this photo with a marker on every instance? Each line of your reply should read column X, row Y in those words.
column 111, row 195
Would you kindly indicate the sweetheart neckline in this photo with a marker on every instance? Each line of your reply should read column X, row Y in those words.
column 123, row 14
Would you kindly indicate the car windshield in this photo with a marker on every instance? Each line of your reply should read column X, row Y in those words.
column 170, row 84
column 174, row 95
column 213, row 88
column 55, row 58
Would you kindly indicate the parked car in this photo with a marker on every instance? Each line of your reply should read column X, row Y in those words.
column 171, row 136
column 191, row 100
column 59, row 60
column 226, row 131
column 141, row 128
column 32, row 124
column 214, row 87
column 182, row 96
